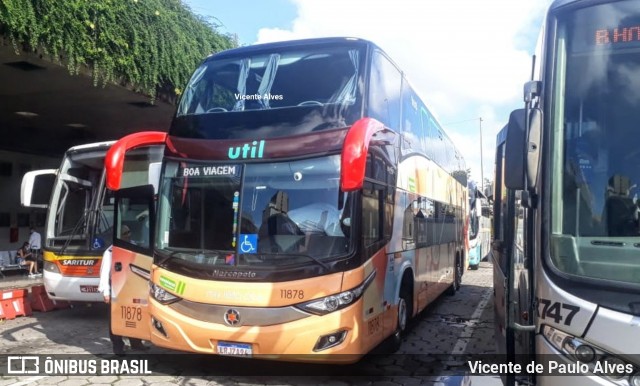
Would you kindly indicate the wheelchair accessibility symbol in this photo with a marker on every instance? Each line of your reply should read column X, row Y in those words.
column 98, row 243
column 248, row 243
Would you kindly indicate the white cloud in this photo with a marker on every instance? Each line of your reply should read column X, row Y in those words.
column 466, row 58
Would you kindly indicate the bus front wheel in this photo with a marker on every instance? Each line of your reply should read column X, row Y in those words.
column 405, row 304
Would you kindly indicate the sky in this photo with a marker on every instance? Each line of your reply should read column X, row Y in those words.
column 467, row 59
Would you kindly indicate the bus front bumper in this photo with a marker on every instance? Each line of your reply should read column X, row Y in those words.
column 292, row 341
column 80, row 289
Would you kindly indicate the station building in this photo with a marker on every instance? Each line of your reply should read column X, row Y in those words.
column 44, row 110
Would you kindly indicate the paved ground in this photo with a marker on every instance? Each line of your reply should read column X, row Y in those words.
column 453, row 325
column 18, row 280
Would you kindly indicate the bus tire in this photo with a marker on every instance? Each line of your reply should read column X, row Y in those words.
column 405, row 310
column 457, row 279
column 473, row 267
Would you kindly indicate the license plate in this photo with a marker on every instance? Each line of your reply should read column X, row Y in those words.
column 89, row 288
column 235, row 349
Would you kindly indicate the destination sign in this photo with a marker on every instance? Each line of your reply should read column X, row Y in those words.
column 588, row 37
column 609, row 36
column 210, row 171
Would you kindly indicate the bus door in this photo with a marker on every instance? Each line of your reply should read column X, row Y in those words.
column 512, row 253
column 520, row 317
column 132, row 257
column 500, row 252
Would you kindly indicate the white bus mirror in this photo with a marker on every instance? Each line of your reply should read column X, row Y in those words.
column 154, row 175
column 514, row 157
column 534, row 141
column 36, row 188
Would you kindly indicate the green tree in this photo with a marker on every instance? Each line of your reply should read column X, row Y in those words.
column 150, row 46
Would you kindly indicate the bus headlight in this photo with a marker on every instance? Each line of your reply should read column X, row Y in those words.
column 599, row 362
column 332, row 303
column 162, row 296
column 51, row 267
column 585, row 353
column 614, row 365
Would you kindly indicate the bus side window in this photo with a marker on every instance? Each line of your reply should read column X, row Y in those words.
column 376, row 223
column 384, row 92
column 413, row 127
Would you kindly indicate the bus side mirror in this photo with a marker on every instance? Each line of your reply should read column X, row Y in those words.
column 533, row 147
column 154, row 175
column 514, row 166
column 36, row 188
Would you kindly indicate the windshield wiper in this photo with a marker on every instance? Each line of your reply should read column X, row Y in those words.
column 193, row 252
column 223, row 253
column 320, row 262
column 74, row 231
column 315, row 259
column 174, row 252
column 215, row 254
column 219, row 252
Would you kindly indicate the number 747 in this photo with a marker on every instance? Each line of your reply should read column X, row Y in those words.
column 554, row 310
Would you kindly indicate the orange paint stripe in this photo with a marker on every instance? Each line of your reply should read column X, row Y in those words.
column 81, row 271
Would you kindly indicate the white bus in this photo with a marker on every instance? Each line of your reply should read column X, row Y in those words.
column 567, row 240
column 479, row 226
column 79, row 225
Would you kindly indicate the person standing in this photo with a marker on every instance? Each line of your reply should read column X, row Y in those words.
column 35, row 244
column 104, row 288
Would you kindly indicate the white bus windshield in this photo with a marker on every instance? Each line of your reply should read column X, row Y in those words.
column 596, row 155
column 76, row 189
column 80, row 216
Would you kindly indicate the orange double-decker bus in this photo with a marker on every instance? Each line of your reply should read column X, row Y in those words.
column 309, row 205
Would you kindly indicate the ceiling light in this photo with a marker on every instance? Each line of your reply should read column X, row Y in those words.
column 27, row 114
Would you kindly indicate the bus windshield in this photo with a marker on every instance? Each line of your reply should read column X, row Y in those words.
column 271, row 94
column 80, row 217
column 474, row 219
column 595, row 157
column 261, row 215
column 76, row 189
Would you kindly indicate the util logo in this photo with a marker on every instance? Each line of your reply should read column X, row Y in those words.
column 253, row 150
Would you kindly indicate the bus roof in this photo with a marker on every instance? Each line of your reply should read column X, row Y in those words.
column 306, row 42
column 561, row 3
column 286, row 44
